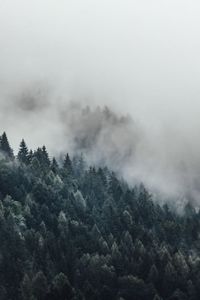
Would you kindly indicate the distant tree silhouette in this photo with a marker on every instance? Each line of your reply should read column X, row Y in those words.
column 5, row 146
column 23, row 154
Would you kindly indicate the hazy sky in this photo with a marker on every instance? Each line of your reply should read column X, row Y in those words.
column 140, row 57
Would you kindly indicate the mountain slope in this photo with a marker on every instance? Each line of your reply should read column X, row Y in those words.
column 68, row 231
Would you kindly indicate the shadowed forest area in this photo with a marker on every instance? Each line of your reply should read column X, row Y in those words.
column 72, row 231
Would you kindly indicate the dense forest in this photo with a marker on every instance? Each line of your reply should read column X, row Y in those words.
column 73, row 231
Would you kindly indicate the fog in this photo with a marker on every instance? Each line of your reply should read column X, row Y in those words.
column 139, row 58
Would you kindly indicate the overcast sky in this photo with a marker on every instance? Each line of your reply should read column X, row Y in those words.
column 140, row 57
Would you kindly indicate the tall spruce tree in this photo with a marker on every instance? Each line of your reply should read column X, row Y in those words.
column 42, row 156
column 68, row 164
column 54, row 165
column 23, row 154
column 5, row 146
column 46, row 160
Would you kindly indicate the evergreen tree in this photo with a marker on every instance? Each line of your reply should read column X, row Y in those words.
column 30, row 155
column 39, row 285
column 23, row 154
column 46, row 160
column 54, row 165
column 153, row 274
column 67, row 165
column 26, row 288
column 61, row 287
column 5, row 146
column 43, row 157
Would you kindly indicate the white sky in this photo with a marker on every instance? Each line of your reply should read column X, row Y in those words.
column 142, row 55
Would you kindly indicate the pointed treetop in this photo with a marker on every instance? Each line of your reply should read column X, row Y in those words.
column 67, row 164
column 5, row 146
column 23, row 154
column 54, row 165
column 43, row 157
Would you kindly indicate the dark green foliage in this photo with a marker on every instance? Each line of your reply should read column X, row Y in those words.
column 43, row 158
column 67, row 165
column 39, row 286
column 5, row 146
column 54, row 166
column 72, row 232
column 23, row 154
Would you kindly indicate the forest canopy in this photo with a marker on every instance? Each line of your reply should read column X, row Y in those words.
column 73, row 231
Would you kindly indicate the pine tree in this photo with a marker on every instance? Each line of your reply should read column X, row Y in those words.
column 68, row 164
column 153, row 274
column 43, row 157
column 54, row 165
column 26, row 287
column 23, row 154
column 30, row 155
column 62, row 287
column 46, row 159
column 5, row 146
column 39, row 285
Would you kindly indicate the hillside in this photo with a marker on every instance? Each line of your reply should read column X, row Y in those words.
column 72, row 231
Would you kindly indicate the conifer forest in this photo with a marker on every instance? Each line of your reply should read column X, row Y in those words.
column 73, row 231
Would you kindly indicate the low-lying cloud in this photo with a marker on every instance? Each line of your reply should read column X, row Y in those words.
column 140, row 58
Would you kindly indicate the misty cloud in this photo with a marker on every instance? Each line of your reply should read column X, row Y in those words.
column 101, row 135
column 32, row 100
column 140, row 58
column 106, row 138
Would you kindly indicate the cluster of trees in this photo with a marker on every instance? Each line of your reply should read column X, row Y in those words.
column 68, row 231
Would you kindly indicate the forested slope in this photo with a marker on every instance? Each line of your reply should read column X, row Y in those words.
column 69, row 231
